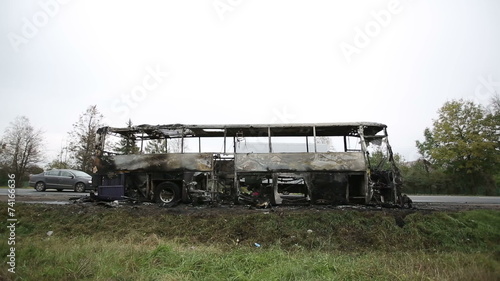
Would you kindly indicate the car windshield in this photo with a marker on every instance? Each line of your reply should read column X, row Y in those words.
column 81, row 174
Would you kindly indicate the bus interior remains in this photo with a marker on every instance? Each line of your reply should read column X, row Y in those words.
column 335, row 163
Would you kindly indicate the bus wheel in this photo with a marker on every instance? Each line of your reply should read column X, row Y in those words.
column 167, row 193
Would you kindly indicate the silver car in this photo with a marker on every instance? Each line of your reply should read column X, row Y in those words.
column 61, row 179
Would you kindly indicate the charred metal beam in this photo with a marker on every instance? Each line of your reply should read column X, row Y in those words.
column 314, row 134
column 270, row 143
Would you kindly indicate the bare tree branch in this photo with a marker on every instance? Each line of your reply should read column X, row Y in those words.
column 21, row 147
column 82, row 139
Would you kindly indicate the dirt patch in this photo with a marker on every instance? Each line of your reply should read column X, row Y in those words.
column 208, row 211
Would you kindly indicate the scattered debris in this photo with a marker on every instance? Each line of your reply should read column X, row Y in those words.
column 407, row 202
column 113, row 204
column 81, row 199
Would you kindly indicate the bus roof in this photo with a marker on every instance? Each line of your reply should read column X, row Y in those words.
column 247, row 130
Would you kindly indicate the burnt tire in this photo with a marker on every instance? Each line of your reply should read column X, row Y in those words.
column 40, row 186
column 167, row 193
column 80, row 187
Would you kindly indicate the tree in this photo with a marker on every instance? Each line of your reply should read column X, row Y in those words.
column 156, row 147
column 21, row 148
column 379, row 159
column 463, row 143
column 421, row 177
column 172, row 145
column 61, row 161
column 495, row 104
column 176, row 145
column 127, row 145
column 82, row 139
column 325, row 140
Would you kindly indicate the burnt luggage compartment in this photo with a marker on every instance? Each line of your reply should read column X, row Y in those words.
column 259, row 164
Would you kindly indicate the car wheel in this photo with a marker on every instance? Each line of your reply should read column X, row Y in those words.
column 80, row 187
column 167, row 193
column 40, row 186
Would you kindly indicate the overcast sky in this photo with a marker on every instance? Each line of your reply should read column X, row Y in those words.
column 245, row 61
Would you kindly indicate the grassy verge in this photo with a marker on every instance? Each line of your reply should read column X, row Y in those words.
column 153, row 244
column 158, row 259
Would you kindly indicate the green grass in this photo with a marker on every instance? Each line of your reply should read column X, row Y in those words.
column 132, row 244
column 157, row 259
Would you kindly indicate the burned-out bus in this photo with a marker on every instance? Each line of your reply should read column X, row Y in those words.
column 326, row 163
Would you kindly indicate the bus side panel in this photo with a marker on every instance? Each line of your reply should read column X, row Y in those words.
column 301, row 162
column 159, row 162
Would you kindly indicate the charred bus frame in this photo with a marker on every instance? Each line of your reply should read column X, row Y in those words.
column 269, row 177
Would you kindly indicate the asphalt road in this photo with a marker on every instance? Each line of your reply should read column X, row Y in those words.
column 33, row 192
column 455, row 199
